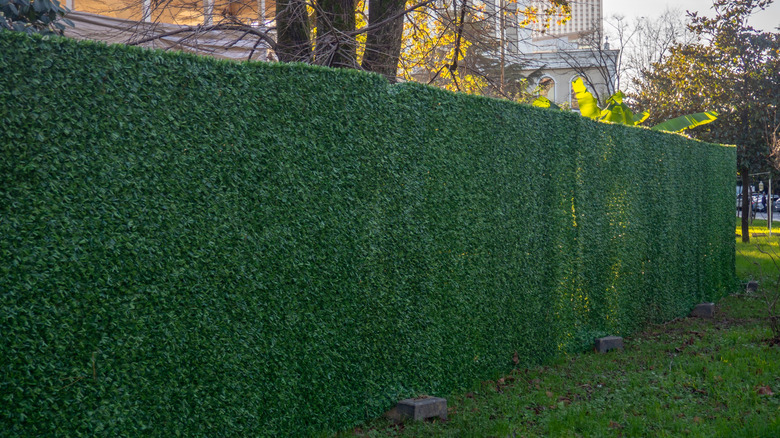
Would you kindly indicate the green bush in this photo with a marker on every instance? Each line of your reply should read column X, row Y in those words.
column 198, row 247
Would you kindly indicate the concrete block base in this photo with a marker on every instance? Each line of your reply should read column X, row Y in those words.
column 608, row 343
column 704, row 310
column 422, row 408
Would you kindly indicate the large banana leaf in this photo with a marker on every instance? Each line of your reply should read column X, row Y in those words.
column 617, row 98
column 642, row 117
column 686, row 122
column 588, row 105
column 543, row 102
column 616, row 111
column 617, row 114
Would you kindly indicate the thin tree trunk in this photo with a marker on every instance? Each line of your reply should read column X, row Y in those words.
column 383, row 44
column 459, row 33
column 745, row 205
column 335, row 47
column 292, row 24
column 502, row 25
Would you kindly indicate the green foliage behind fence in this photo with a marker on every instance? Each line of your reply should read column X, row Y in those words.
column 196, row 247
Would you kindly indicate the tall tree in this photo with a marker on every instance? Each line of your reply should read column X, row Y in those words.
column 734, row 70
column 383, row 40
column 472, row 46
column 292, row 31
column 336, row 37
column 652, row 40
column 373, row 35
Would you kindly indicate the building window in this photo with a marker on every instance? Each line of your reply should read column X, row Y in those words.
column 546, row 88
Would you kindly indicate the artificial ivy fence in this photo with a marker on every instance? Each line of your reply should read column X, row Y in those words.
column 198, row 247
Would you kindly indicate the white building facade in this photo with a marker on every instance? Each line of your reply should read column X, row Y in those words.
column 557, row 55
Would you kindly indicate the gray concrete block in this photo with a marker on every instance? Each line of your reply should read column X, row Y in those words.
column 752, row 286
column 607, row 343
column 422, row 408
column 704, row 310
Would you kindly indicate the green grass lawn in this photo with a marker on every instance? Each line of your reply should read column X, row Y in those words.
column 754, row 259
column 688, row 377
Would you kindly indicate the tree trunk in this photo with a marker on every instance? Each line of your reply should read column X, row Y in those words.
column 383, row 44
column 745, row 205
column 334, row 47
column 292, row 24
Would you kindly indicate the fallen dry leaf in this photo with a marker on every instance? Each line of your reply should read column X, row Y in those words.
column 549, row 394
column 764, row 390
column 516, row 358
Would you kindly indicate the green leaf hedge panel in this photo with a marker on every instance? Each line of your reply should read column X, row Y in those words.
column 199, row 247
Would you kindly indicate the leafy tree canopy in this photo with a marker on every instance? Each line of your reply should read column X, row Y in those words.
column 33, row 16
column 733, row 69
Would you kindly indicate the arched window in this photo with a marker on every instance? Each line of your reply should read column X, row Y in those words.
column 546, row 88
